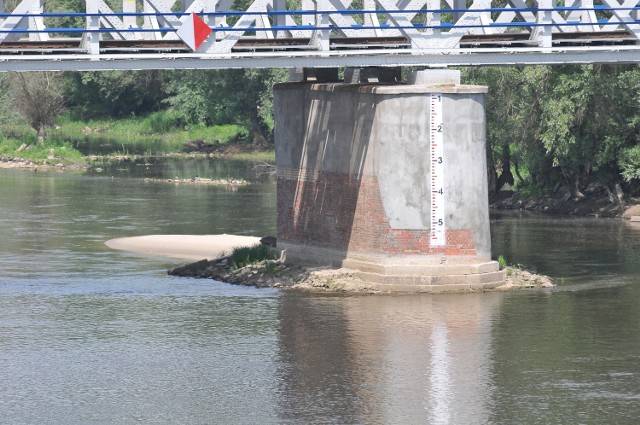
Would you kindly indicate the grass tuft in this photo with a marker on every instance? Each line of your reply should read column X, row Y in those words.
column 502, row 261
column 243, row 256
column 271, row 267
column 140, row 136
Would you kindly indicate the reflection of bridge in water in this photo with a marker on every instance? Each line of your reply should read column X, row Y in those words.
column 317, row 33
column 396, row 359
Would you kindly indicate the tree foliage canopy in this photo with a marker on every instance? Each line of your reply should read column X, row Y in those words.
column 565, row 125
column 38, row 97
column 546, row 126
column 227, row 96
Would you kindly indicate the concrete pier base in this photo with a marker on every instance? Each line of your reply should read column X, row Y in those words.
column 355, row 182
column 411, row 273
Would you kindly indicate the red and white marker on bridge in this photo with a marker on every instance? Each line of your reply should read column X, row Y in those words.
column 194, row 31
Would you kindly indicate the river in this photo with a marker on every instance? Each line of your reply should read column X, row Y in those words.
column 94, row 336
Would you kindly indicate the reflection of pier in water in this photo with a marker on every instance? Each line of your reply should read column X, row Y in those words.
column 405, row 359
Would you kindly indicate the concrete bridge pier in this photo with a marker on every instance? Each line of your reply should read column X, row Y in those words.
column 388, row 180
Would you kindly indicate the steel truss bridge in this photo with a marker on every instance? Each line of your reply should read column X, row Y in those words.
column 143, row 34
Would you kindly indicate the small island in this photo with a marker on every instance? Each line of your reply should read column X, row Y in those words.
column 263, row 267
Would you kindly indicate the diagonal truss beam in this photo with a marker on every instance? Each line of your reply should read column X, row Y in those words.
column 26, row 14
column 417, row 27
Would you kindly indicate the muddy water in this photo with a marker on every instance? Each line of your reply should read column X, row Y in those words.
column 89, row 335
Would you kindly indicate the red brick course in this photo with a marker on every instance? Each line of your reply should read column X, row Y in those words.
column 345, row 212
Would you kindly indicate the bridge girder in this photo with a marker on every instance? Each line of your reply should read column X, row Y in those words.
column 319, row 33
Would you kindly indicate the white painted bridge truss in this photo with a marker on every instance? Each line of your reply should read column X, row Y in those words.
column 318, row 33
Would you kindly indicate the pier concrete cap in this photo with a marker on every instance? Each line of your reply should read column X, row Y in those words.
column 381, row 88
column 296, row 75
column 434, row 76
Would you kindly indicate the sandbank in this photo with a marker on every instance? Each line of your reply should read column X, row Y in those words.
column 187, row 247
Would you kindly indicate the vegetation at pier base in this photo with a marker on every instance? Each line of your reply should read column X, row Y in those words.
column 243, row 256
column 520, row 276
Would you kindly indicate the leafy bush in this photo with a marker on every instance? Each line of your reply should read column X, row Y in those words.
column 630, row 163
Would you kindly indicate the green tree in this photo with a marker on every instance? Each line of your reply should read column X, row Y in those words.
column 233, row 96
column 512, row 106
column 65, row 22
column 8, row 113
column 38, row 97
column 588, row 120
column 115, row 93
column 566, row 126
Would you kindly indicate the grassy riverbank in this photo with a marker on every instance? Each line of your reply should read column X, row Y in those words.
column 46, row 153
column 151, row 135
column 159, row 134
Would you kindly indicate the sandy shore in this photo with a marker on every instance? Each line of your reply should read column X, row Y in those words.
column 187, row 247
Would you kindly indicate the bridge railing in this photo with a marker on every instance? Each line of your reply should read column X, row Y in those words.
column 317, row 26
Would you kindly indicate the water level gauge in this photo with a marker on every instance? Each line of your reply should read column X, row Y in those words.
column 436, row 132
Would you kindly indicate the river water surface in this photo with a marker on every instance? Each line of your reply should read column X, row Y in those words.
column 94, row 336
